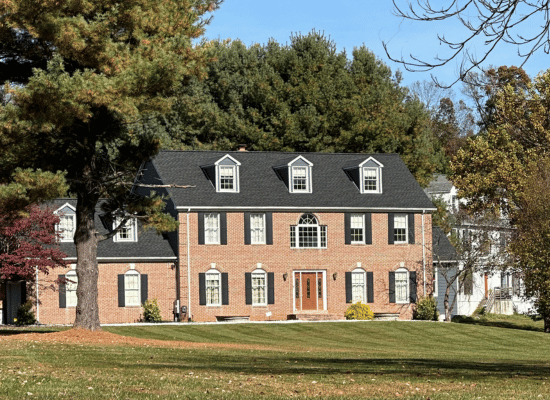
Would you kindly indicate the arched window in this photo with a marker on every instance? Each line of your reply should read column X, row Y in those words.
column 402, row 286
column 259, row 287
column 213, row 282
column 358, row 286
column 308, row 233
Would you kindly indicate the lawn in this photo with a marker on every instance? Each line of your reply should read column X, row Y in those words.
column 375, row 360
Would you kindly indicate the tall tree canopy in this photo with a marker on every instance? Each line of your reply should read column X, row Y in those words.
column 303, row 96
column 79, row 75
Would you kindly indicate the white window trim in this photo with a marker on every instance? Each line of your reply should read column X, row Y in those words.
column 256, row 272
column 235, row 167
column 133, row 226
column 57, row 226
column 435, row 282
column 262, row 229
column 71, row 276
column 407, row 297
column 320, row 227
column 217, row 240
column 406, row 229
column 213, row 272
column 363, row 218
column 378, row 169
column 127, row 301
column 364, row 273
column 308, row 168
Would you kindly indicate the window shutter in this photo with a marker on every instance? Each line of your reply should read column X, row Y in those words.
column 410, row 226
column 270, row 288
column 390, row 228
column 370, row 288
column 62, row 293
column 412, row 286
column 225, row 289
column 348, row 287
column 121, row 296
column 144, row 288
column 392, row 287
column 248, row 287
column 201, row 228
column 268, row 228
column 202, row 289
column 246, row 228
column 347, row 227
column 223, row 228
column 368, row 228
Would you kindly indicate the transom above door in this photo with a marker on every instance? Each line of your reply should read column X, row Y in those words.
column 309, row 290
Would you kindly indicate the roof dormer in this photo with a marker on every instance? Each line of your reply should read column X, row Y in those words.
column 366, row 175
column 224, row 174
column 296, row 174
column 67, row 222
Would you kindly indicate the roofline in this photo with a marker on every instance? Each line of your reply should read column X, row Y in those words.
column 272, row 152
column 121, row 259
column 301, row 208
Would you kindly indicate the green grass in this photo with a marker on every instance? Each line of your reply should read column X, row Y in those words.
column 516, row 321
column 375, row 360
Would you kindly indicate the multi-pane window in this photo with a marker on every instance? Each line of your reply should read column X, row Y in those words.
column 370, row 179
column 358, row 286
column 213, row 288
column 127, row 232
column 299, row 179
column 401, row 287
column 212, row 228
column 257, row 228
column 132, row 288
column 400, row 228
column 70, row 289
column 227, row 178
column 259, row 289
column 67, row 227
column 357, row 222
column 308, row 233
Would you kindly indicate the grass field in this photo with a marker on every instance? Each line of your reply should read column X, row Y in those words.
column 375, row 360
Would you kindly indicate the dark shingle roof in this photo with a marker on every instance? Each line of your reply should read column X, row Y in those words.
column 149, row 244
column 260, row 186
column 439, row 184
column 443, row 250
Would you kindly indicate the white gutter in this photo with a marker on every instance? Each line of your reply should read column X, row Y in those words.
column 380, row 209
column 424, row 254
column 189, row 315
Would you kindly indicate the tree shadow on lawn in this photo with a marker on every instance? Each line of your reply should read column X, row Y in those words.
column 496, row 324
column 9, row 331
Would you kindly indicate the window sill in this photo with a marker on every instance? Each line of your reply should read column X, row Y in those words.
column 132, row 306
column 308, row 248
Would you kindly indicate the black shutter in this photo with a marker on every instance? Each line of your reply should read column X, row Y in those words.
column 248, row 287
column 121, row 297
column 370, row 288
column 223, row 228
column 144, row 288
column 347, row 227
column 412, row 286
column 246, row 228
column 410, row 226
column 392, row 287
column 62, row 293
column 368, row 228
column 201, row 228
column 390, row 228
column 270, row 288
column 202, row 289
column 268, row 228
column 348, row 287
column 225, row 289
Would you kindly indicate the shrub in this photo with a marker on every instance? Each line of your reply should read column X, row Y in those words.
column 479, row 311
column 151, row 311
column 359, row 311
column 24, row 314
column 426, row 309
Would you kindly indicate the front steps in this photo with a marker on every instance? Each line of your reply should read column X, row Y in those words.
column 315, row 317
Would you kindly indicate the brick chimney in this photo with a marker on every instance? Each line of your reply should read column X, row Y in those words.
column 242, row 147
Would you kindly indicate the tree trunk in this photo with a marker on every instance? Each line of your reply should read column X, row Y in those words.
column 547, row 324
column 446, row 304
column 87, row 270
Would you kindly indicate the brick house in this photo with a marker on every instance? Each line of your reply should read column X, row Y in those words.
column 266, row 236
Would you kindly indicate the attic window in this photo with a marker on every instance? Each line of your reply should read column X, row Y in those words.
column 370, row 176
column 67, row 222
column 300, row 175
column 227, row 174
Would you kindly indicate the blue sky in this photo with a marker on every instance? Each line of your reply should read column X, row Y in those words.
column 351, row 23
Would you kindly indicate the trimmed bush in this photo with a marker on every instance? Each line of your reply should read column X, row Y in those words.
column 426, row 309
column 151, row 311
column 24, row 314
column 359, row 311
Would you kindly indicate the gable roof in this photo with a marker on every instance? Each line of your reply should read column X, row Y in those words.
column 262, row 187
column 149, row 246
column 439, row 185
column 442, row 248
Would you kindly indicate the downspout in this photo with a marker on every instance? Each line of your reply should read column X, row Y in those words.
column 423, row 253
column 37, row 302
column 190, row 315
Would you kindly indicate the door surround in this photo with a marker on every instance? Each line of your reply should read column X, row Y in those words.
column 299, row 288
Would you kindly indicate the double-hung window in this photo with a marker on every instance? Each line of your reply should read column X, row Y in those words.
column 213, row 288
column 370, row 179
column 400, row 228
column 212, row 228
column 357, row 223
column 227, row 178
column 127, row 232
column 70, row 288
column 257, row 229
column 299, row 179
column 132, row 290
column 308, row 233
column 358, row 286
column 401, row 286
column 259, row 288
column 67, row 227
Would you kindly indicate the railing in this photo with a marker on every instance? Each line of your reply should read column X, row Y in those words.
column 490, row 302
column 504, row 293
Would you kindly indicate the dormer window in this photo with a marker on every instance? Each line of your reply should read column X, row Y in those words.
column 367, row 175
column 227, row 178
column 224, row 174
column 299, row 179
column 67, row 223
column 128, row 232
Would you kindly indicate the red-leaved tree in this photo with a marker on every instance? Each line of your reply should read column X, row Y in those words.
column 28, row 241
